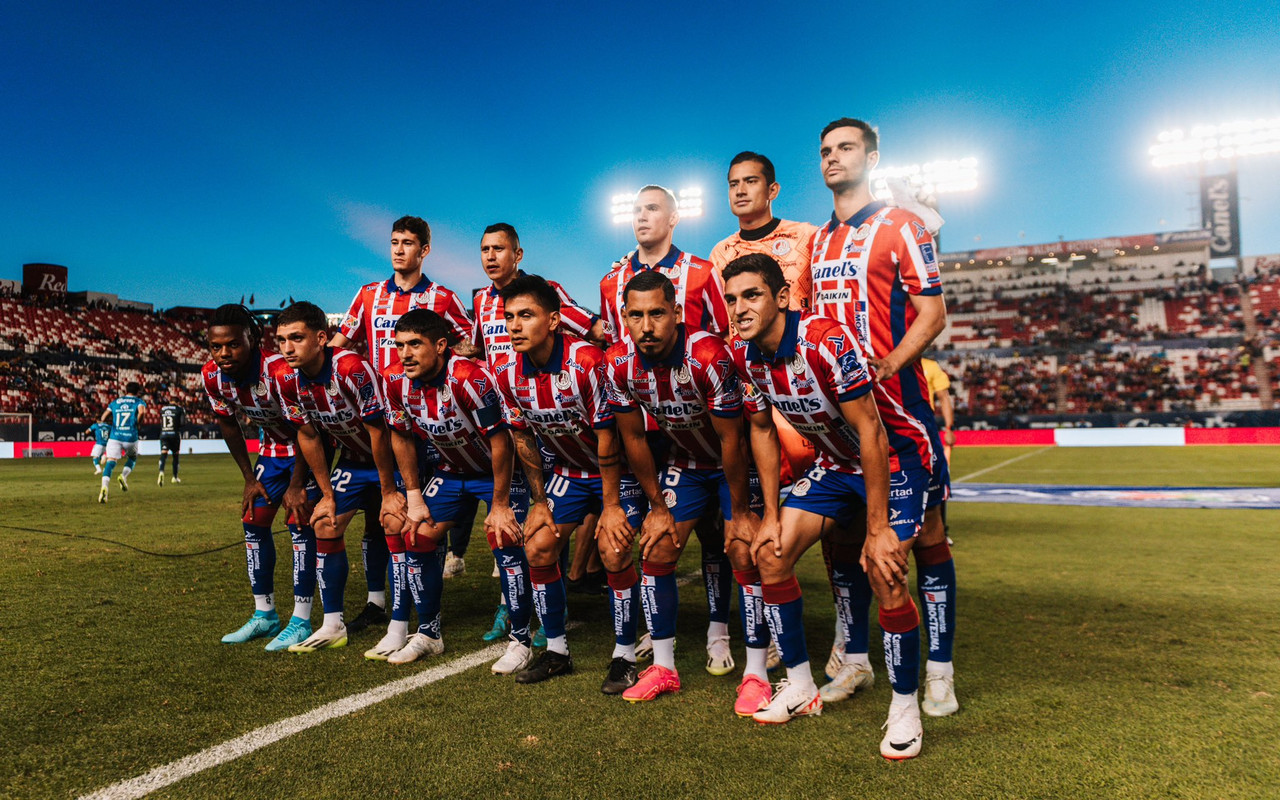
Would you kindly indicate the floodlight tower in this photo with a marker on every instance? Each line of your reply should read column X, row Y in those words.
column 928, row 180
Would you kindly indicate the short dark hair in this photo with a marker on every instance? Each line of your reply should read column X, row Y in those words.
column 647, row 281
column 766, row 166
column 427, row 323
column 508, row 229
column 309, row 314
column 235, row 315
column 670, row 195
column 869, row 135
column 534, row 286
column 133, row 387
column 761, row 264
column 415, row 225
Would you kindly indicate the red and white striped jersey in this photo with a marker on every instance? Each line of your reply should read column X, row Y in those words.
column 377, row 307
column 259, row 397
column 698, row 291
column 682, row 392
column 864, row 271
column 817, row 367
column 490, row 332
column 563, row 402
column 339, row 400
column 456, row 411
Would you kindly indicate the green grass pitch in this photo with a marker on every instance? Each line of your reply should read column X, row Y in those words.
column 1100, row 653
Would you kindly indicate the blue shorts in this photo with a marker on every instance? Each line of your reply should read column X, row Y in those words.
column 274, row 474
column 689, row 493
column 940, row 480
column 446, row 495
column 842, row 497
column 354, row 482
column 574, row 499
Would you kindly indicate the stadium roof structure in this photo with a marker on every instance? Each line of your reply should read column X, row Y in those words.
column 1191, row 241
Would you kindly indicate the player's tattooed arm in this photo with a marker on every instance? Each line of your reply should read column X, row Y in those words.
column 767, row 451
column 882, row 551
column 234, row 437
column 531, row 464
column 613, row 528
column 467, row 349
column 931, row 318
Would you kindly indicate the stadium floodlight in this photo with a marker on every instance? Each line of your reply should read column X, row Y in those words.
column 688, row 203
column 945, row 176
column 1205, row 143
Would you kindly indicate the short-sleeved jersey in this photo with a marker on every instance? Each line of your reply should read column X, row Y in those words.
column 101, row 432
column 563, row 402
column 788, row 242
column 935, row 379
column 172, row 418
column 377, row 307
column 490, row 333
column 864, row 271
column 260, row 396
column 456, row 411
column 818, row 366
column 124, row 417
column 339, row 400
column 681, row 392
column 698, row 291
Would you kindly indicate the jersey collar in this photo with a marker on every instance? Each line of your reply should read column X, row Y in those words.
column 667, row 262
column 674, row 359
column 864, row 214
column 325, row 374
column 423, row 284
column 554, row 364
column 494, row 291
column 786, row 347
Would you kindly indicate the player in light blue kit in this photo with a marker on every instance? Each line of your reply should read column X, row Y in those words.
column 100, row 432
column 123, row 414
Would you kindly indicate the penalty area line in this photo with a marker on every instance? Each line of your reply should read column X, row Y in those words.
column 254, row 740
column 1005, row 463
column 175, row 771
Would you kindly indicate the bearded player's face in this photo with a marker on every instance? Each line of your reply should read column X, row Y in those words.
column 845, row 160
column 652, row 320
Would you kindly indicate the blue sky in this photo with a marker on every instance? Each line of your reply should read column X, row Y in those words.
column 188, row 154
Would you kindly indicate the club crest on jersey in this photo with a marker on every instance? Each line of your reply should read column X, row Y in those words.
column 669, row 497
column 801, row 488
column 563, row 381
column 781, row 247
column 445, row 394
column 332, row 388
column 862, row 231
column 797, row 364
column 682, row 374
column 260, row 389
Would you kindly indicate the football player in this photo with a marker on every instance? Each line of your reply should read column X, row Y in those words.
column 122, row 413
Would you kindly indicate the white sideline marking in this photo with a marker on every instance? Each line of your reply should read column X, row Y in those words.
column 217, row 755
column 1002, row 464
column 175, row 771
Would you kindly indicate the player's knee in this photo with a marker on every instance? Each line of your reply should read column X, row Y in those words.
column 739, row 553
column 260, row 515
column 614, row 562
column 665, row 551
column 540, row 552
column 773, row 568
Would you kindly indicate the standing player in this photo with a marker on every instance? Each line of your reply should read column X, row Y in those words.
column 875, row 270
column 122, row 413
column 172, row 420
column 812, row 370
column 554, row 388
column 700, row 295
column 452, row 402
column 684, row 378
column 500, row 256
column 100, row 431
column 371, row 322
column 241, row 379
column 339, row 395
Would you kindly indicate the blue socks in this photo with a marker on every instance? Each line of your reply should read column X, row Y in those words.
column 513, row 574
column 852, row 593
column 426, row 584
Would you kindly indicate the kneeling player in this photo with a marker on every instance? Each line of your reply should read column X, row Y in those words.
column 452, row 402
column 813, row 371
column 337, row 392
column 241, row 378
column 554, row 388
column 686, row 381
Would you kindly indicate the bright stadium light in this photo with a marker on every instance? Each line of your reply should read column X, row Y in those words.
column 1206, row 143
column 688, row 203
column 945, row 176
